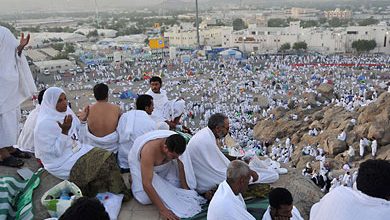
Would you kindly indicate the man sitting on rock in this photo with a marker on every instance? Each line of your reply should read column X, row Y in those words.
column 281, row 206
column 369, row 201
column 228, row 203
column 102, row 121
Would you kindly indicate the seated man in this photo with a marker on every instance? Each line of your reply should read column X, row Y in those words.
column 228, row 202
column 133, row 124
column 26, row 137
column 159, row 177
column 172, row 112
column 102, row 121
column 209, row 163
column 369, row 201
column 57, row 145
column 281, row 206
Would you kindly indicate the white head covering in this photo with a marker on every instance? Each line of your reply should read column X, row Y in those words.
column 173, row 109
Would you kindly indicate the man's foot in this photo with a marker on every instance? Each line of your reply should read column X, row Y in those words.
column 20, row 154
column 12, row 161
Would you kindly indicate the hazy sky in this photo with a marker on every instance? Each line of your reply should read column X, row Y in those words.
column 13, row 6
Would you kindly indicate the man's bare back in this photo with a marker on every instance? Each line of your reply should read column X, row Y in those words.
column 103, row 118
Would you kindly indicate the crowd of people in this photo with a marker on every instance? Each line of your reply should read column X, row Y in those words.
column 174, row 156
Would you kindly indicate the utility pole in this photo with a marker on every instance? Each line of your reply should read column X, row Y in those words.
column 197, row 24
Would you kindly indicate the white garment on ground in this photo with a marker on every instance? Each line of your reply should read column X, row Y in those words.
column 159, row 100
column 342, row 136
column 225, row 205
column 131, row 125
column 108, row 142
column 58, row 152
column 17, row 85
column 295, row 214
column 184, row 203
column 26, row 137
column 210, row 164
column 349, row 204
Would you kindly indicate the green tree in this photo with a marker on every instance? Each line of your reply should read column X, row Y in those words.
column 368, row 21
column 285, row 46
column 309, row 23
column 58, row 47
column 335, row 22
column 93, row 33
column 363, row 45
column 277, row 22
column 301, row 45
column 69, row 48
column 238, row 24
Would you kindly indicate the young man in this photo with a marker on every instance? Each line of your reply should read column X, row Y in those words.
column 281, row 206
column 133, row 124
column 102, row 120
column 16, row 86
column 369, row 201
column 159, row 177
column 160, row 98
column 228, row 202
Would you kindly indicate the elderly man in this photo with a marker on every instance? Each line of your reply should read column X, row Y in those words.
column 209, row 163
column 133, row 124
column 159, row 175
column 369, row 201
column 16, row 85
column 102, row 121
column 281, row 206
column 228, row 203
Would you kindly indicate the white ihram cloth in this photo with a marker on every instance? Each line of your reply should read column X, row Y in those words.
column 173, row 109
column 131, row 125
column 184, row 203
column 349, row 204
column 295, row 214
column 26, row 137
column 16, row 85
column 225, row 205
column 159, row 100
column 210, row 164
column 57, row 152
column 108, row 142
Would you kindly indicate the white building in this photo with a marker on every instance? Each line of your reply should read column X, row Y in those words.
column 186, row 38
column 337, row 40
column 52, row 66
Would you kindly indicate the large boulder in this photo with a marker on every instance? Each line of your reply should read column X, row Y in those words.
column 326, row 90
column 334, row 146
column 303, row 190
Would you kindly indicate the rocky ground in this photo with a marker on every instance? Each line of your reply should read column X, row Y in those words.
column 372, row 121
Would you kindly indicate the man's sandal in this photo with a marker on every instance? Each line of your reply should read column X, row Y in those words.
column 20, row 154
column 12, row 161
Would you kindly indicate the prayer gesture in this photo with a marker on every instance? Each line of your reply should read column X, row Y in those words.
column 83, row 115
column 254, row 175
column 66, row 125
column 22, row 43
column 168, row 214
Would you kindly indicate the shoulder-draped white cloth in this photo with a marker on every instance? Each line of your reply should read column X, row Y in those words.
column 131, row 125
column 108, row 142
column 58, row 152
column 16, row 85
column 210, row 164
column 296, row 215
column 225, row 205
column 184, row 203
column 26, row 137
column 159, row 101
column 349, row 204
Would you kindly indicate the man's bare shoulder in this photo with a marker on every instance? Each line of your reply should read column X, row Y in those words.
column 151, row 148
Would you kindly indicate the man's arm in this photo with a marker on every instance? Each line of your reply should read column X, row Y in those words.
column 147, row 164
column 182, row 175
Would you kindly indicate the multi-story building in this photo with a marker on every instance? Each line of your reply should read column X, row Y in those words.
column 186, row 38
column 323, row 40
column 338, row 13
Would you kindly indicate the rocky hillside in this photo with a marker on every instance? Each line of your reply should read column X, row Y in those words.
column 372, row 121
